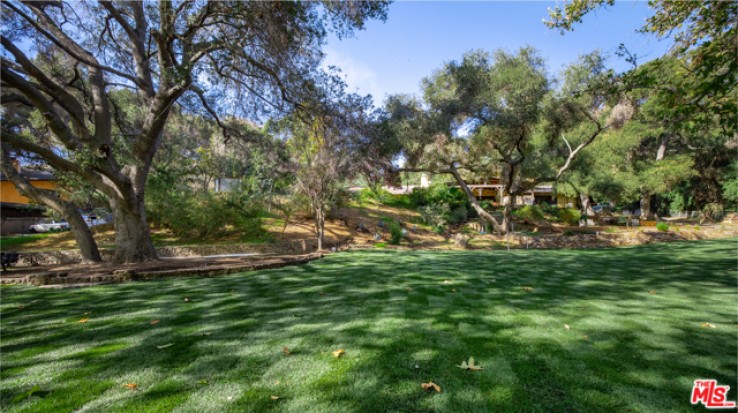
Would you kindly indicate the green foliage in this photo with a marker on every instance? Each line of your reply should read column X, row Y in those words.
column 662, row 226
column 713, row 212
column 569, row 216
column 435, row 215
column 529, row 213
column 438, row 193
column 189, row 213
column 380, row 245
column 205, row 214
column 395, row 232
column 730, row 184
column 458, row 215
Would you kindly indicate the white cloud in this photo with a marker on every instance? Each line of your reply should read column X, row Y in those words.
column 357, row 75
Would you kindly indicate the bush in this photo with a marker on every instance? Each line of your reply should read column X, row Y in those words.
column 529, row 213
column 569, row 216
column 662, row 226
column 380, row 245
column 205, row 214
column 419, row 197
column 458, row 215
column 395, row 233
column 435, row 215
column 713, row 212
column 438, row 193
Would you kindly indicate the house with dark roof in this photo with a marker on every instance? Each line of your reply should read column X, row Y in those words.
column 18, row 212
column 37, row 178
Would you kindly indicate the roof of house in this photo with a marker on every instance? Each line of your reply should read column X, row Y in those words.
column 33, row 175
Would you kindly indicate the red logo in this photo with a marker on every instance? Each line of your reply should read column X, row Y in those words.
column 711, row 395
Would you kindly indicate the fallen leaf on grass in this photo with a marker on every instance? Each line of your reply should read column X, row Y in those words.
column 431, row 386
column 567, row 327
column 275, row 397
column 165, row 346
column 203, row 381
column 528, row 289
column 154, row 322
column 453, row 290
column 286, row 351
column 276, row 383
column 469, row 366
column 338, row 353
column 706, row 325
column 131, row 386
column 652, row 292
column 187, row 300
column 446, row 282
column 585, row 338
column 84, row 320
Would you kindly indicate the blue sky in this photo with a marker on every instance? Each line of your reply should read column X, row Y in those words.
column 392, row 57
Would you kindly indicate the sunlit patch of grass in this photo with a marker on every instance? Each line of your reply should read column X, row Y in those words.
column 634, row 341
column 8, row 242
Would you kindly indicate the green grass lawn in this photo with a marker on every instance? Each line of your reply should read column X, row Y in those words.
column 8, row 242
column 636, row 339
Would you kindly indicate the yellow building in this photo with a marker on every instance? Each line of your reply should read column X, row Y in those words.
column 39, row 179
column 17, row 212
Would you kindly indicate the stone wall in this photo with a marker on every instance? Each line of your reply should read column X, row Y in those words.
column 31, row 259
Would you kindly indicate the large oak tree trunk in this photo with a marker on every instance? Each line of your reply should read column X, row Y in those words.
column 132, row 236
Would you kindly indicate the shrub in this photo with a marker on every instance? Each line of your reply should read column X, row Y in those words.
column 439, row 230
column 206, row 214
column 549, row 208
column 419, row 197
column 395, row 233
column 712, row 212
column 662, row 226
column 529, row 213
column 569, row 216
column 380, row 245
column 458, row 215
column 438, row 193
column 435, row 215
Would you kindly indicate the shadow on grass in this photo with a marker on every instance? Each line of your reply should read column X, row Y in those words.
column 635, row 340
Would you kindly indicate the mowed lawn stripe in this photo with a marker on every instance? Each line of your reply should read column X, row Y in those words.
column 554, row 330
